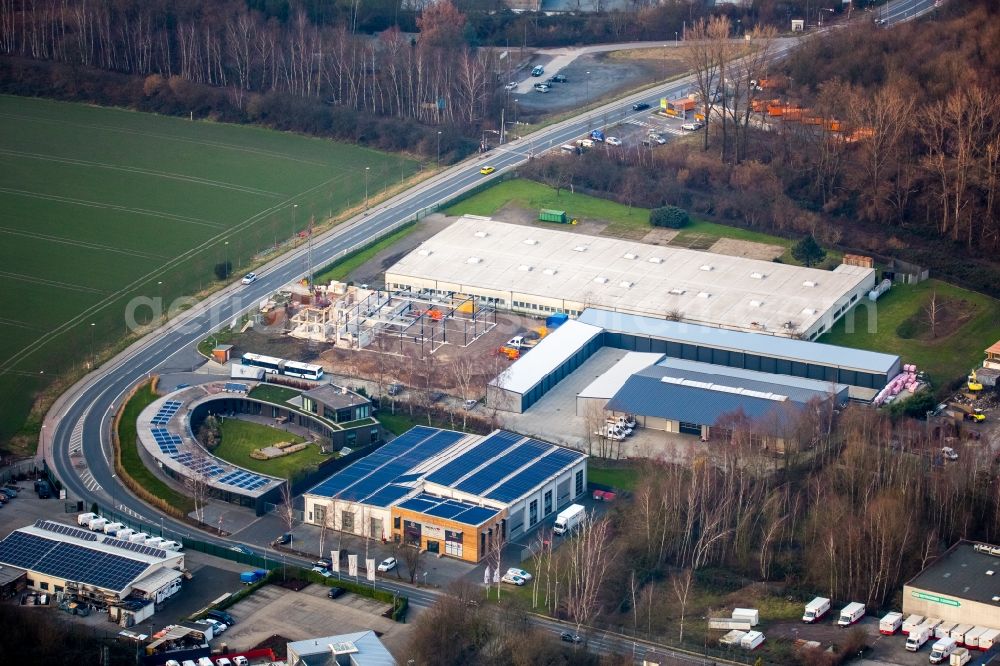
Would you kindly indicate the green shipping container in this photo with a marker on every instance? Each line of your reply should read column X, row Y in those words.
column 549, row 215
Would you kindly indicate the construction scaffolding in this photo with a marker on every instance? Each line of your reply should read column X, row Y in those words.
column 352, row 317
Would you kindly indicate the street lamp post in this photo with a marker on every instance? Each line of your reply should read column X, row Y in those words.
column 228, row 268
column 367, row 171
column 439, row 149
column 93, row 356
column 159, row 296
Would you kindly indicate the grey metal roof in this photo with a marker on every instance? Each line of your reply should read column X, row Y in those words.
column 336, row 397
column 367, row 650
column 798, row 390
column 961, row 572
column 648, row 396
column 754, row 343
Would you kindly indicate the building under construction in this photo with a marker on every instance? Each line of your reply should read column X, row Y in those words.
column 355, row 317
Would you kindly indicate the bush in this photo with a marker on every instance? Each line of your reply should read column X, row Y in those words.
column 671, row 217
column 223, row 270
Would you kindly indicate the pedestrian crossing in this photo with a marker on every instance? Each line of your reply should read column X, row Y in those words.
column 89, row 481
column 76, row 437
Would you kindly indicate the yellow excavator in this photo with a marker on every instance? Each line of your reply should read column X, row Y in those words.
column 973, row 383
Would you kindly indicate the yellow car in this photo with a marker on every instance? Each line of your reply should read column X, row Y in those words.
column 487, row 170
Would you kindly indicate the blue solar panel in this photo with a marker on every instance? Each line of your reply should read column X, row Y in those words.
column 419, row 504
column 388, row 472
column 69, row 561
column 450, row 509
column 535, row 474
column 445, row 510
column 508, row 464
column 477, row 515
column 474, row 457
column 387, row 495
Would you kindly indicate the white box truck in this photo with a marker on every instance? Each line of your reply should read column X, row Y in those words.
column 138, row 537
column 851, row 613
column 816, row 609
column 911, row 622
column 959, row 657
column 569, row 519
column 987, row 640
column 918, row 636
column 111, row 529
column 752, row 640
column 97, row 524
column 972, row 637
column 942, row 649
column 155, row 542
column 125, row 534
column 890, row 624
column 83, row 520
column 752, row 615
column 943, row 630
column 959, row 632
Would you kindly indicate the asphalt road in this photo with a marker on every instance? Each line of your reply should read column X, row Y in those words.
column 80, row 419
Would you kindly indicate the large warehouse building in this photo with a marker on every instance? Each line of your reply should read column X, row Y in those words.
column 92, row 566
column 962, row 586
column 452, row 493
column 538, row 271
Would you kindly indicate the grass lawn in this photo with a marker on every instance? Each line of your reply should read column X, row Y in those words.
column 946, row 358
column 399, row 422
column 343, row 267
column 101, row 206
column 620, row 477
column 271, row 393
column 239, row 438
column 127, row 436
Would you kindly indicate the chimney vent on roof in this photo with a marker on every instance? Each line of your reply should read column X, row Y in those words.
column 530, row 241
column 630, row 255
column 655, row 260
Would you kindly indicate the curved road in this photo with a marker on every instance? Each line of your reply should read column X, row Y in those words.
column 77, row 426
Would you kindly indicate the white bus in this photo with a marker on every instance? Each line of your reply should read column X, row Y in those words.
column 270, row 364
column 279, row 366
column 304, row 370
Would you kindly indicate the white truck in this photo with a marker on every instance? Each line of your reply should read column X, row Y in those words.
column 890, row 624
column 569, row 519
column 752, row 640
column 942, row 649
column 851, row 613
column 959, row 632
column 816, row 609
column 913, row 621
column 987, row 640
column 918, row 636
column 97, row 524
column 83, row 520
column 943, row 630
column 111, row 529
column 959, row 657
column 972, row 637
column 751, row 615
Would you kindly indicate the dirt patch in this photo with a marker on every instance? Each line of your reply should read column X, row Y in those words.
column 658, row 236
column 296, row 584
column 748, row 249
column 693, row 241
column 372, row 272
column 516, row 214
column 938, row 321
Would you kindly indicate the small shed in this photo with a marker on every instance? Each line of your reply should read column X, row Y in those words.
column 221, row 353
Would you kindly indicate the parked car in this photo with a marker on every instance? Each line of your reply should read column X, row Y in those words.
column 222, row 616
column 949, row 453
column 249, row 278
column 8, row 493
column 570, row 637
column 542, row 87
column 241, row 549
column 510, row 86
column 521, row 573
column 220, row 627
column 640, row 106
column 613, row 141
column 325, row 573
column 322, row 563
column 537, row 70
column 335, row 592
column 692, row 126
column 513, row 580
column 388, row 564
column 559, row 78
column 656, row 138
column 469, row 404
column 284, row 539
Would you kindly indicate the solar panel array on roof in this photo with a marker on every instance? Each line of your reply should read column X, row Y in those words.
column 136, row 547
column 167, row 441
column 235, row 387
column 450, row 509
column 166, row 412
column 199, row 464
column 492, row 474
column 69, row 561
column 244, row 480
column 480, row 453
column 68, row 530
column 535, row 474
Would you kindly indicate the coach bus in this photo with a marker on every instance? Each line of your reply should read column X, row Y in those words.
column 279, row 366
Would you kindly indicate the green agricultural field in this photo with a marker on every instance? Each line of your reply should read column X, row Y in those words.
column 968, row 325
column 100, row 206
column 239, row 438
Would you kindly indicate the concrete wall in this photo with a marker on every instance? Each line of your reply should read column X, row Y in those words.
column 363, row 515
column 965, row 612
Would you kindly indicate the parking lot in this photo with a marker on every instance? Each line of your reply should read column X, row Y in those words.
column 309, row 614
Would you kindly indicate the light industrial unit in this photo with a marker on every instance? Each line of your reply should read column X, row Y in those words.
column 60, row 558
column 533, row 270
column 451, row 493
column 962, row 586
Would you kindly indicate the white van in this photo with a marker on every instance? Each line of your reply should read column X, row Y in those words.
column 83, row 520
column 223, row 661
column 205, row 661
column 139, row 537
column 111, row 529
column 155, row 542
column 941, row 650
column 97, row 524
column 125, row 534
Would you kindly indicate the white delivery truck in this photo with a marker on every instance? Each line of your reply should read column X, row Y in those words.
column 97, row 524
column 155, row 542
column 959, row 632
column 918, row 636
column 972, row 637
column 890, row 624
column 111, row 529
column 138, row 537
column 911, row 622
column 125, row 534
column 751, row 640
column 851, row 613
column 569, row 519
column 987, row 640
column 960, row 657
column 816, row 609
column 751, row 615
column 933, row 623
column 942, row 649
column 943, row 630
column 83, row 520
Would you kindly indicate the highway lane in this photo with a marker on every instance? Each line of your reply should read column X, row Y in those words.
column 94, row 399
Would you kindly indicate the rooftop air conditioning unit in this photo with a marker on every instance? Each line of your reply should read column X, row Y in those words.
column 707, row 267
column 704, row 294
column 473, row 260
column 655, row 260
column 677, row 291
column 809, row 283
column 809, row 311
column 524, row 267
column 481, row 234
column 530, row 241
column 756, row 304
column 629, row 255
column 580, row 248
column 601, row 280
column 424, row 253
column 625, row 284
column 549, row 271
column 757, row 276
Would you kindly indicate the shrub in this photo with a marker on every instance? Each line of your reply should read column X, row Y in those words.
column 671, row 217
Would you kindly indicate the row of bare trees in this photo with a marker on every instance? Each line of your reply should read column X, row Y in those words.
column 434, row 78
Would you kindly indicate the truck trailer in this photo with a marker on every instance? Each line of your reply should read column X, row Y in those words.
column 911, row 622
column 890, row 624
column 569, row 519
column 816, row 609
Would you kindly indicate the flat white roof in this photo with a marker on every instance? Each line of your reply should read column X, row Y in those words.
column 525, row 262
column 609, row 383
column 546, row 356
